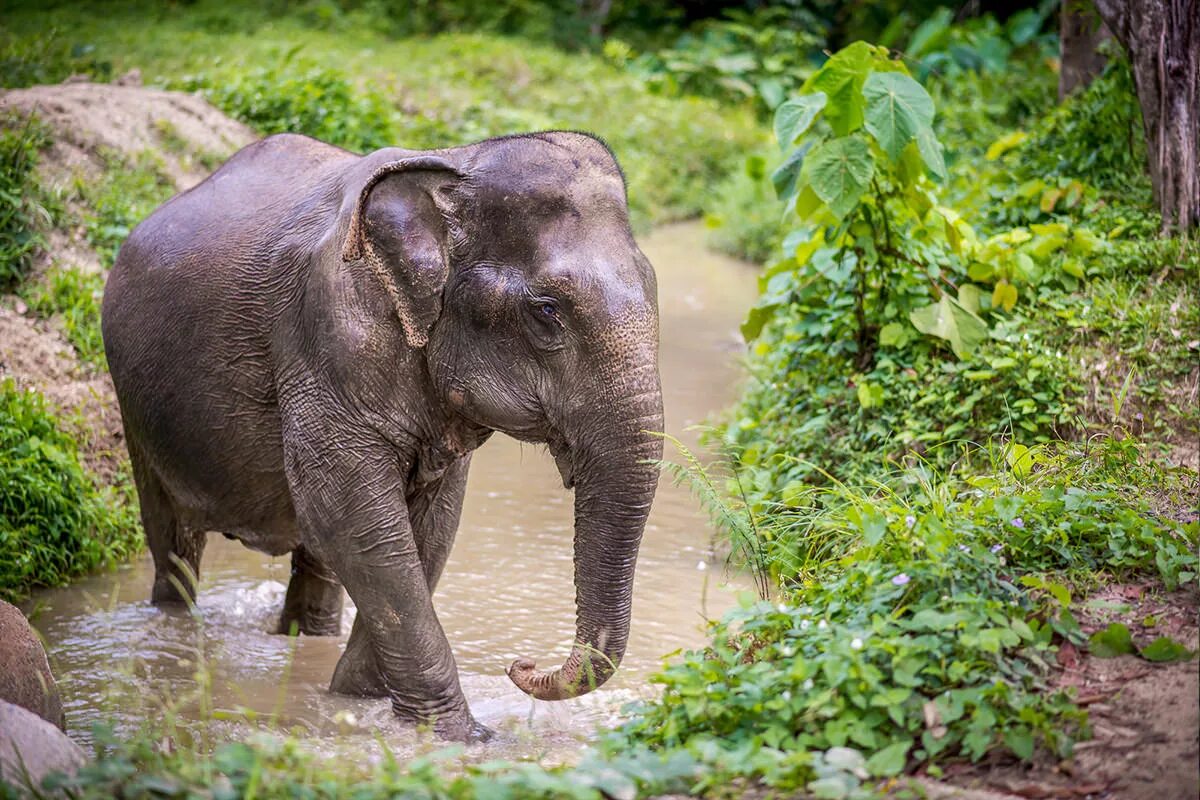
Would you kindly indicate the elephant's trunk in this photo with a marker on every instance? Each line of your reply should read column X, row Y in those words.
column 615, row 481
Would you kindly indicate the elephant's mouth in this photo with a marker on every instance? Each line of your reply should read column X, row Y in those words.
column 563, row 460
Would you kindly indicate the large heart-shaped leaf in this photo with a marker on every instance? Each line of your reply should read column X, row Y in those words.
column 793, row 117
column 839, row 171
column 947, row 319
column 897, row 107
column 841, row 79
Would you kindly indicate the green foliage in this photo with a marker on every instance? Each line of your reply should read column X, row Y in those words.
column 1116, row 640
column 55, row 522
column 760, row 56
column 48, row 57
column 1096, row 135
column 982, row 44
column 21, row 138
column 741, row 214
column 362, row 89
column 317, row 101
column 267, row 766
column 73, row 298
column 926, row 634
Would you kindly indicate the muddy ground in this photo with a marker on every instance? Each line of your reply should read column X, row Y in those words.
column 1145, row 717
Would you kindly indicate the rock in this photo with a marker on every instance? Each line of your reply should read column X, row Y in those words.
column 131, row 78
column 25, row 677
column 31, row 748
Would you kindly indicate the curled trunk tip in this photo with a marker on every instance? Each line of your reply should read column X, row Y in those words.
column 578, row 675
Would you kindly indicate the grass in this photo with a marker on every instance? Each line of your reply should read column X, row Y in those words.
column 56, row 523
column 72, row 298
column 21, row 139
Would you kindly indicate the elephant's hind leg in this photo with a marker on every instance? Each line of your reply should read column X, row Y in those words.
column 314, row 598
column 176, row 550
column 357, row 670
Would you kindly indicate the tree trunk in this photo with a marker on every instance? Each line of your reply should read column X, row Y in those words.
column 1162, row 38
column 1080, row 33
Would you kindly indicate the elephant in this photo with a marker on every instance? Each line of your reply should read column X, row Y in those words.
column 308, row 345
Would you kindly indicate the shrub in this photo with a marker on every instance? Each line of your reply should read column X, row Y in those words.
column 56, row 523
column 317, row 101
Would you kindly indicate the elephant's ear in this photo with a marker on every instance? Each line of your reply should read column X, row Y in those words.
column 399, row 229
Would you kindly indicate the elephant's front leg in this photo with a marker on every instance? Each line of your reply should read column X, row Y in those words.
column 348, row 493
column 433, row 513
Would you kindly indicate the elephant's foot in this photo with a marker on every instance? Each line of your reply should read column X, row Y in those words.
column 463, row 728
column 313, row 604
column 357, row 671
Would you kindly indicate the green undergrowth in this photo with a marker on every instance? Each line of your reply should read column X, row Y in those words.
column 268, row 766
column 917, row 624
column 56, row 521
column 360, row 88
column 22, row 210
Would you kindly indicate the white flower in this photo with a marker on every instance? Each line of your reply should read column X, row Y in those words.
column 822, row 625
column 805, row 624
column 909, row 521
column 700, row 565
column 808, row 685
column 856, row 643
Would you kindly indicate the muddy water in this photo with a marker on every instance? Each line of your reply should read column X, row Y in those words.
column 507, row 590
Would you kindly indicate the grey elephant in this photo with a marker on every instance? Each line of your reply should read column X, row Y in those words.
column 308, row 345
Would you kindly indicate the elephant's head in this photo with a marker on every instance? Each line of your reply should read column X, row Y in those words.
column 511, row 262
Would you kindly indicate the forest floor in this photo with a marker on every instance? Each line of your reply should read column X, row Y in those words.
column 1145, row 717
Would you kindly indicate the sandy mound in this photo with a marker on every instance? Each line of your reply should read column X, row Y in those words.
column 90, row 118
column 90, row 124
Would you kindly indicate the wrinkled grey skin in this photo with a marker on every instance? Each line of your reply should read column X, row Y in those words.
column 308, row 345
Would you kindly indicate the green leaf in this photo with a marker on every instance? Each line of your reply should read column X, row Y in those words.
column 841, row 80
column 890, row 760
column 1111, row 642
column 894, row 334
column 947, row 319
column 794, row 117
column 785, row 177
column 897, row 107
column 1164, row 649
column 968, row 296
column 931, row 153
column 1020, row 741
column 756, row 320
column 839, row 171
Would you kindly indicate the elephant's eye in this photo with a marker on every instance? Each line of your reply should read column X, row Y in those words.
column 548, row 310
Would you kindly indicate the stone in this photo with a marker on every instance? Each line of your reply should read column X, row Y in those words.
column 31, row 748
column 25, row 677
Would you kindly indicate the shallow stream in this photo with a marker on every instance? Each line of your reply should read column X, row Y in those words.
column 507, row 590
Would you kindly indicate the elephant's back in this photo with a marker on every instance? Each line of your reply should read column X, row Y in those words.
column 189, row 308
